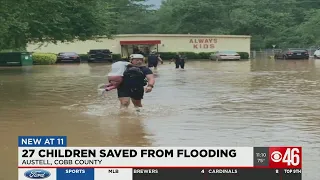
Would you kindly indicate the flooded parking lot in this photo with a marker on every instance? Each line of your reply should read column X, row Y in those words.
column 246, row 103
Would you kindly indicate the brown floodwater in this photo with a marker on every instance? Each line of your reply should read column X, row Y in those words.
column 247, row 103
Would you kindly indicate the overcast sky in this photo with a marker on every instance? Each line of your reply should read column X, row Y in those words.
column 157, row 3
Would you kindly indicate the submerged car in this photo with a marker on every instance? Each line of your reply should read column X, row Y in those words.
column 68, row 57
column 225, row 55
column 292, row 53
column 99, row 55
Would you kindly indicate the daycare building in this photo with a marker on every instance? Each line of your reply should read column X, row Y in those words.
column 125, row 44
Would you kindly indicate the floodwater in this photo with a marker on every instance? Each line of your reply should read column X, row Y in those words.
column 246, row 103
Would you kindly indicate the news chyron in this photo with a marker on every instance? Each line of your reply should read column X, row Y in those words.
column 50, row 158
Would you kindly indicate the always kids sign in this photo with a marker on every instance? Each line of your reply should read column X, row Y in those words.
column 203, row 43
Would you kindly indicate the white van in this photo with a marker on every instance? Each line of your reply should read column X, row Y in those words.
column 316, row 54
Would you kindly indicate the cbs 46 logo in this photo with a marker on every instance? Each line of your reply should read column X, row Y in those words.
column 291, row 156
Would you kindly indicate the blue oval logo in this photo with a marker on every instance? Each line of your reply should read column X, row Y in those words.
column 37, row 174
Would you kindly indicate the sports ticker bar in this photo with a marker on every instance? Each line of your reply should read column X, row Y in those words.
column 218, row 174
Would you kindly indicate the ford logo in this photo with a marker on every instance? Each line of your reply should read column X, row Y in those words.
column 37, row 174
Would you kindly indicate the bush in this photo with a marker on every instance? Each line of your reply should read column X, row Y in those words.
column 83, row 57
column 243, row 55
column 44, row 58
column 205, row 55
column 14, row 50
column 167, row 55
column 116, row 57
column 196, row 56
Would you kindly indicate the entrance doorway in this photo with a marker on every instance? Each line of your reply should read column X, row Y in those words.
column 139, row 47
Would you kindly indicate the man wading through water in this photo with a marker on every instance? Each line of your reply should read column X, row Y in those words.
column 179, row 61
column 134, row 80
column 153, row 60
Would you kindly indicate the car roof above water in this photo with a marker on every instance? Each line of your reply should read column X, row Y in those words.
column 229, row 52
column 68, row 53
column 296, row 49
column 95, row 50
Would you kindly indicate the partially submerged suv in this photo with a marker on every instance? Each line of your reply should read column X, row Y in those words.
column 99, row 55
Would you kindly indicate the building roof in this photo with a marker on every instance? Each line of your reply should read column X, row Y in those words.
column 183, row 35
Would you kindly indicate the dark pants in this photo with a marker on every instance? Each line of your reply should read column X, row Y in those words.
column 180, row 64
column 152, row 64
column 134, row 93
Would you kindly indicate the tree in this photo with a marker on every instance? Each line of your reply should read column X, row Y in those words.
column 286, row 23
column 52, row 21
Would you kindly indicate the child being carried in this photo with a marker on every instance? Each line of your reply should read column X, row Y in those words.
column 115, row 77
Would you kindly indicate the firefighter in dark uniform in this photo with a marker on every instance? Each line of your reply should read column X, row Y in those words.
column 153, row 60
column 179, row 60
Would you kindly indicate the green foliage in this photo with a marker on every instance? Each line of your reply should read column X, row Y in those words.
column 83, row 57
column 60, row 20
column 116, row 57
column 14, row 50
column 284, row 23
column 167, row 55
column 310, row 29
column 189, row 55
column 205, row 55
column 196, row 56
column 44, row 58
column 244, row 55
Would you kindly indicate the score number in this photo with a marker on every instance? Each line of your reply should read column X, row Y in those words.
column 285, row 157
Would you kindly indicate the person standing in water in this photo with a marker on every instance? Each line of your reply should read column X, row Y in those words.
column 134, row 80
column 153, row 60
column 179, row 61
